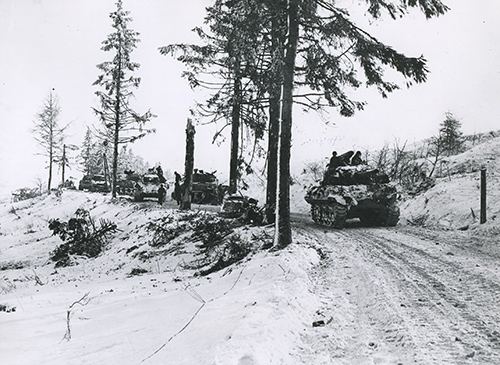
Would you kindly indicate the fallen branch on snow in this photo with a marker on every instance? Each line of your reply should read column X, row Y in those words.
column 82, row 301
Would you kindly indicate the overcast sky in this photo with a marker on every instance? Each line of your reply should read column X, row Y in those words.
column 49, row 44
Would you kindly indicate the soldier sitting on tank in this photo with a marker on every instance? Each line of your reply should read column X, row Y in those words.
column 345, row 158
column 356, row 160
column 334, row 161
column 159, row 172
column 342, row 177
column 331, row 168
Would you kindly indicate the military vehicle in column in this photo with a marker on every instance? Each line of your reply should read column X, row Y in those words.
column 205, row 188
column 148, row 185
column 353, row 191
column 242, row 207
column 94, row 183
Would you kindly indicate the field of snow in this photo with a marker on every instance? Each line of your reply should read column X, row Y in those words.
column 251, row 313
column 455, row 199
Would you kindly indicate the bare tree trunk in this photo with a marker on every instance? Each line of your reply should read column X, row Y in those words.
column 284, row 233
column 87, row 163
column 188, row 167
column 117, row 125
column 106, row 169
column 63, row 167
column 437, row 156
column 51, row 153
column 115, row 149
column 274, row 115
column 272, row 158
column 235, row 128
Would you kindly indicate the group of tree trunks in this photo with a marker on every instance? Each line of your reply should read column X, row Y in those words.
column 302, row 44
column 259, row 58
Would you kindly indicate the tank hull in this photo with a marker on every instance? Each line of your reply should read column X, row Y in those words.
column 339, row 198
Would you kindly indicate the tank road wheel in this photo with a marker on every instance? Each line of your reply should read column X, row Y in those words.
column 315, row 213
column 338, row 216
column 318, row 214
column 329, row 215
column 391, row 216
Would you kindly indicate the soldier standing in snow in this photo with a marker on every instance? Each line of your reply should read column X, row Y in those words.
column 177, row 188
column 161, row 194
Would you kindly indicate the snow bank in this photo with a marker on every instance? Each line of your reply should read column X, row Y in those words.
column 455, row 199
column 252, row 313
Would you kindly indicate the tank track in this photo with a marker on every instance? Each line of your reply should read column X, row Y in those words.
column 392, row 216
column 332, row 215
column 389, row 218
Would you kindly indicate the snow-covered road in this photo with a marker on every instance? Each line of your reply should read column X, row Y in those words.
column 405, row 295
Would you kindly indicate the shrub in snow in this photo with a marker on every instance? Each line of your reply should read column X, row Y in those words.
column 7, row 308
column 227, row 252
column 212, row 230
column 137, row 271
column 220, row 247
column 166, row 229
column 217, row 244
column 13, row 265
column 81, row 236
column 25, row 194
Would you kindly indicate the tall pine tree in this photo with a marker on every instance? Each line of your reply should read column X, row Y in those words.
column 88, row 154
column 226, row 63
column 122, row 124
column 325, row 53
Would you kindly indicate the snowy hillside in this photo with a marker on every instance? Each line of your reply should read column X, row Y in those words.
column 239, row 315
column 454, row 201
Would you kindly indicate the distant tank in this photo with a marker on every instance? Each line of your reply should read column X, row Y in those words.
column 354, row 192
column 127, row 186
column 147, row 185
column 242, row 207
column 94, row 183
column 206, row 188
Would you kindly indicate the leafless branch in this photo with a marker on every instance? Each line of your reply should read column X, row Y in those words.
column 83, row 301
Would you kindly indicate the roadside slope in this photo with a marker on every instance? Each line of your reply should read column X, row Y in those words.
column 455, row 199
column 250, row 313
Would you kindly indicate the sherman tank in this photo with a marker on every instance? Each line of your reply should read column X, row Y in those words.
column 354, row 192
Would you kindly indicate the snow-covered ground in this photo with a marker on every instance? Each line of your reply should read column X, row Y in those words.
column 455, row 199
column 251, row 313
column 378, row 296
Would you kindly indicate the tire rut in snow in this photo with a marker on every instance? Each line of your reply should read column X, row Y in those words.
column 456, row 240
column 471, row 312
column 429, row 331
column 367, row 323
